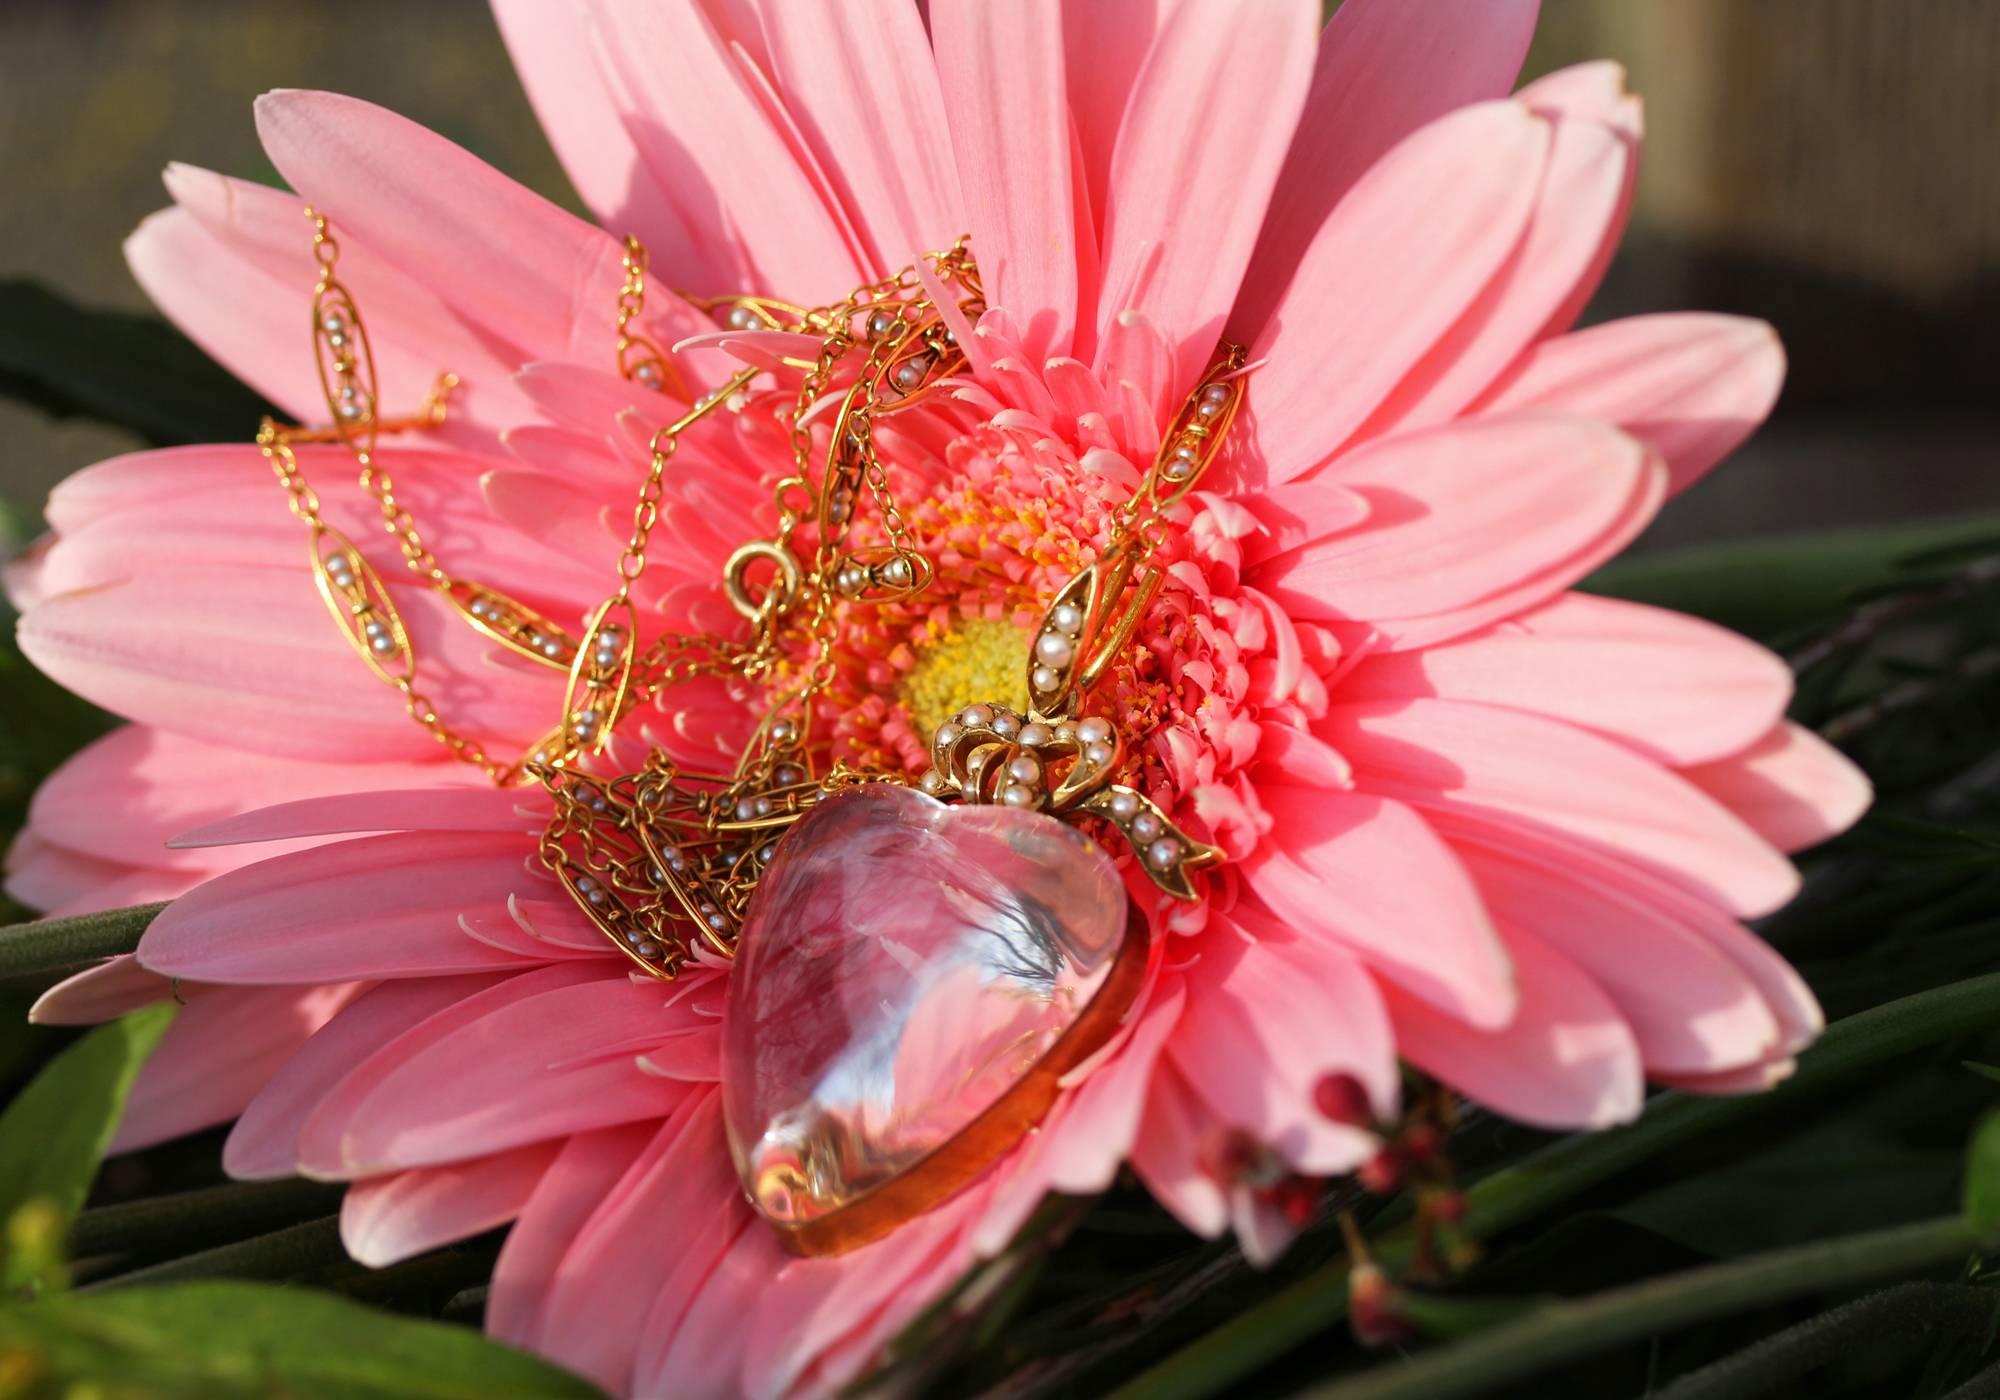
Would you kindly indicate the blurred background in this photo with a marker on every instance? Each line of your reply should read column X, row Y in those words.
column 1830, row 165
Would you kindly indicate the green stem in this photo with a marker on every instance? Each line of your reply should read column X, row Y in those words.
column 63, row 945
column 189, row 1219
column 289, row 1253
column 1566, row 1331
column 1213, row 1363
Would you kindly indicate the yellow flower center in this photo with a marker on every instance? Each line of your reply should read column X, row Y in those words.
column 978, row 660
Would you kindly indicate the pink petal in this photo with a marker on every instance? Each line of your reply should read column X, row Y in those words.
column 599, row 1307
column 860, row 82
column 168, row 784
column 1612, row 877
column 224, row 1044
column 1386, row 278
column 1010, row 130
column 1690, row 1007
column 532, row 1068
column 696, row 1335
column 1580, row 201
column 1210, row 117
column 554, row 54
column 343, row 814
column 387, row 1219
column 852, row 1303
column 1104, row 47
column 1675, row 688
column 1369, row 874
column 1792, row 787
column 1457, row 514
column 1514, row 768
column 248, row 657
column 1592, row 92
column 221, row 302
column 1268, row 1017
column 1168, row 1154
column 1384, row 69
column 265, row 1141
column 1693, row 384
column 449, row 220
column 378, row 906
column 413, row 335
column 1566, row 1061
column 583, row 1174
column 101, row 993
column 704, row 133
column 59, row 881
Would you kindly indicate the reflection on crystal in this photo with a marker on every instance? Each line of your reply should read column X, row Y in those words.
column 903, row 964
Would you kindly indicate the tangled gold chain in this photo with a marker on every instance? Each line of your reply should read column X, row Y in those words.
column 664, row 860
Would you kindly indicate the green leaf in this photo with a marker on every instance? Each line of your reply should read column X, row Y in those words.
column 238, row 1341
column 1991, row 1072
column 133, row 371
column 1982, row 1176
column 53, row 1136
column 55, row 945
column 1772, row 584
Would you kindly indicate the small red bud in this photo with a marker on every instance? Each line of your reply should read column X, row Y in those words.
column 1341, row 1098
column 1381, row 1174
column 1375, row 1307
column 1449, row 1207
column 1421, row 1143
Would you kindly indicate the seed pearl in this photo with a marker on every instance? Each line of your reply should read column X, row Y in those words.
column 1177, row 469
column 659, row 876
column 909, row 375
column 745, row 810
column 1065, row 734
column 1035, row 735
column 649, row 949
column 788, row 773
column 742, row 317
column 481, row 608
column 376, row 629
column 648, row 374
column 1207, row 409
column 1145, row 826
column 1162, row 854
column 932, row 781
column 1123, row 806
column 1215, row 393
column 1025, row 769
column 782, row 732
column 1018, row 797
column 763, row 806
column 897, row 572
column 1046, row 677
column 1097, row 755
column 880, row 324
column 1054, row 648
column 947, row 735
column 334, row 322
column 973, row 715
column 551, row 647
column 1005, row 725
column 716, row 921
column 1093, row 731
column 383, row 645
column 1067, row 616
column 634, row 937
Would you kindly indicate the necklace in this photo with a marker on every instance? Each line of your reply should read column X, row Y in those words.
column 865, row 917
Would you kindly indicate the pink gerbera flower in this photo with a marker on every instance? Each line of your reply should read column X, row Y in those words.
column 1473, row 820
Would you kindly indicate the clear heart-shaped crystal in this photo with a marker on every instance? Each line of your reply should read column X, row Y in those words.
column 904, row 965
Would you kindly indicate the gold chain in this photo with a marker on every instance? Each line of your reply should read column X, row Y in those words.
column 654, row 853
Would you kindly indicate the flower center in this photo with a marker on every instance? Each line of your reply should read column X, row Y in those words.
column 977, row 660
